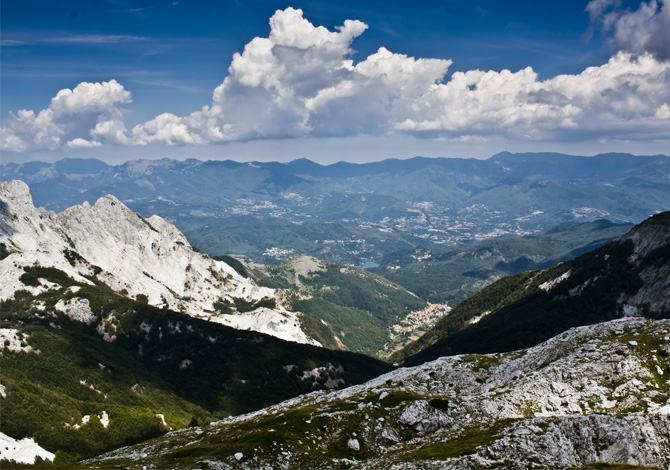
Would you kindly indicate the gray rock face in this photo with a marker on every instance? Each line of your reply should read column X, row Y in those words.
column 576, row 441
column 423, row 418
column 388, row 436
column 654, row 294
column 353, row 444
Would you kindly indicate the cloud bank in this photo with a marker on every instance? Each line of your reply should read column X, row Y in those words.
column 643, row 31
column 302, row 81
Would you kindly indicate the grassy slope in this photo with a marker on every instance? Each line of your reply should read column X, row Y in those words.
column 349, row 303
column 145, row 371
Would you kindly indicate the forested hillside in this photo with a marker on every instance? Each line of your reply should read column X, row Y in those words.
column 630, row 276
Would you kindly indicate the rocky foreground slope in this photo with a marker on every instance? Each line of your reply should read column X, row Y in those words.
column 142, row 258
column 597, row 393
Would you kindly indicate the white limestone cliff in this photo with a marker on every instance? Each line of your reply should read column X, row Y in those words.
column 133, row 255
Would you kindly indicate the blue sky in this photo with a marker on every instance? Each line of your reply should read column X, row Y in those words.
column 122, row 79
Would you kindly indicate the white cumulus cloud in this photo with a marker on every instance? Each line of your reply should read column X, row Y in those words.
column 79, row 143
column 301, row 80
column 616, row 97
column 68, row 118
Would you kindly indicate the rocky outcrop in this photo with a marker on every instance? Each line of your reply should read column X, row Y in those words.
column 139, row 257
column 636, row 439
column 570, row 442
column 423, row 418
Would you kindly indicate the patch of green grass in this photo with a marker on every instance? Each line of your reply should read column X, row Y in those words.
column 319, row 330
column 236, row 264
column 612, row 466
column 394, row 399
column 34, row 273
column 245, row 306
column 358, row 331
column 464, row 443
column 481, row 361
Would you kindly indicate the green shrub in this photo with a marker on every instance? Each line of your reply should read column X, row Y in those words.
column 4, row 253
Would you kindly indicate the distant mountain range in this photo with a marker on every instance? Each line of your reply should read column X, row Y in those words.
column 347, row 213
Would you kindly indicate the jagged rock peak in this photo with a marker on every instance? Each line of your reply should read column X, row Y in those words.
column 134, row 256
column 17, row 192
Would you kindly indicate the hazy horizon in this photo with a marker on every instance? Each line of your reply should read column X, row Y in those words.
column 116, row 162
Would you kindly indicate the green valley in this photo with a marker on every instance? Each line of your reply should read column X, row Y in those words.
column 453, row 274
column 349, row 307
column 624, row 278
